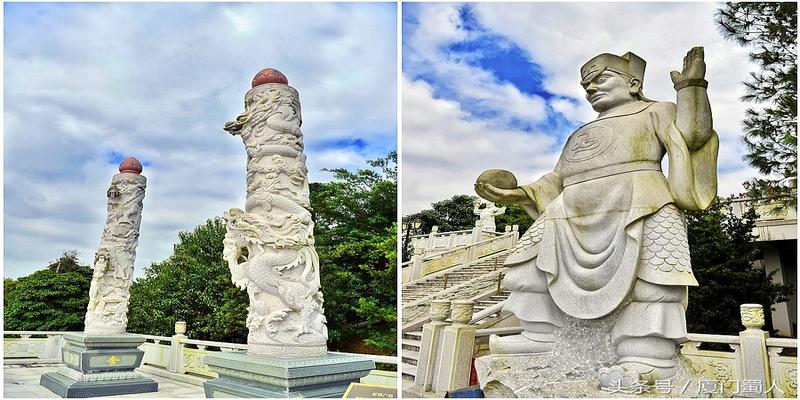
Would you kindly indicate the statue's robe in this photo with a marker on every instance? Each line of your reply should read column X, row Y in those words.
column 609, row 215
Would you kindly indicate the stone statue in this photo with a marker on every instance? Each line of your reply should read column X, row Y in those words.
column 269, row 247
column 487, row 214
column 609, row 235
column 113, row 262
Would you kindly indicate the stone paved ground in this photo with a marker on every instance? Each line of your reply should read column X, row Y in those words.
column 414, row 392
column 23, row 381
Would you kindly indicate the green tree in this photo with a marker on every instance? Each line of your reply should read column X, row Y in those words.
column 8, row 289
column 453, row 214
column 51, row 299
column 356, row 238
column 192, row 285
column 723, row 251
column 514, row 215
column 769, row 29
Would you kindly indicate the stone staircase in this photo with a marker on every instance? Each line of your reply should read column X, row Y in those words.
column 411, row 343
column 437, row 282
column 427, row 289
column 481, row 305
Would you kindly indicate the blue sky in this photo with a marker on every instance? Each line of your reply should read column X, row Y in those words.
column 88, row 84
column 496, row 85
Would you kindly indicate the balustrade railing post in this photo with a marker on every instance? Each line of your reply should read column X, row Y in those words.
column 753, row 362
column 477, row 235
column 416, row 264
column 432, row 238
column 455, row 355
column 52, row 348
column 472, row 253
column 176, row 363
column 430, row 343
column 515, row 237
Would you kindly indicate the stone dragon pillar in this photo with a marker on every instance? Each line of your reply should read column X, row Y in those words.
column 269, row 246
column 101, row 360
column 113, row 262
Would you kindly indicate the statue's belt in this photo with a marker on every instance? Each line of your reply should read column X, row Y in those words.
column 614, row 169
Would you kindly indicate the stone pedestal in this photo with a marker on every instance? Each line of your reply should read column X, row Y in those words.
column 99, row 366
column 454, row 359
column 431, row 343
column 256, row 376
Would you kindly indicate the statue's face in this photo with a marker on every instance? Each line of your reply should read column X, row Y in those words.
column 609, row 90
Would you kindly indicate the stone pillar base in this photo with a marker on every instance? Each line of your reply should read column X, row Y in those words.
column 99, row 366
column 256, row 376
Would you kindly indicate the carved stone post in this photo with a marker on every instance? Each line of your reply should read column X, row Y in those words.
column 176, row 348
column 101, row 361
column 457, row 346
column 432, row 239
column 515, row 238
column 753, row 356
column 477, row 233
column 416, row 263
column 269, row 248
column 430, row 343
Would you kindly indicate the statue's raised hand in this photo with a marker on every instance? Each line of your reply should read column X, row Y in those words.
column 694, row 68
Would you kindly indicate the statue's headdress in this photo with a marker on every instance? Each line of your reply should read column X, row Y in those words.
column 629, row 65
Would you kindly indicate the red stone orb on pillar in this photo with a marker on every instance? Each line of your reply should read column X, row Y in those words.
column 269, row 75
column 131, row 165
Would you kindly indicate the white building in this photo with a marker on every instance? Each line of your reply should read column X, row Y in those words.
column 777, row 238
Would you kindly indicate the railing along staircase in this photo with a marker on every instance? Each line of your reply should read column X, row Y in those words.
column 487, row 312
column 479, row 281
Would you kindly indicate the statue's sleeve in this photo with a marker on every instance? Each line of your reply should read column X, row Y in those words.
column 542, row 192
column 692, row 174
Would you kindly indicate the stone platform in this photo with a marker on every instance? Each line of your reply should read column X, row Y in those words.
column 99, row 366
column 247, row 375
column 22, row 381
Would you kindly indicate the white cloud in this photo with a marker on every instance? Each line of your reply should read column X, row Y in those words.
column 439, row 25
column 572, row 110
column 444, row 150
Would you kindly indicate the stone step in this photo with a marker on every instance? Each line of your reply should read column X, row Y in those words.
column 410, row 355
column 414, row 333
column 411, row 343
column 408, row 369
